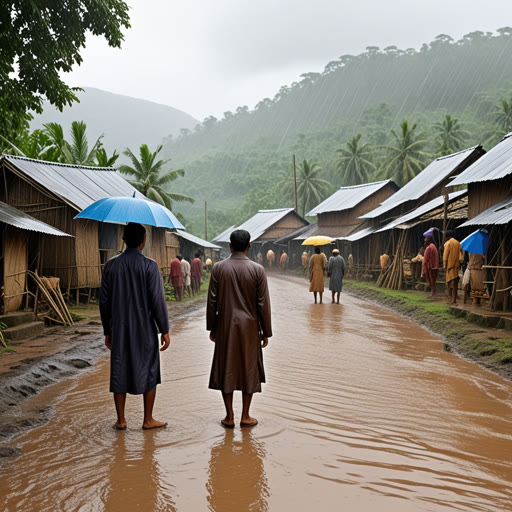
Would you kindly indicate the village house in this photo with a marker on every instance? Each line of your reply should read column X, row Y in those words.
column 54, row 193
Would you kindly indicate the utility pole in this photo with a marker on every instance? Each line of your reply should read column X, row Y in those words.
column 205, row 222
column 295, row 183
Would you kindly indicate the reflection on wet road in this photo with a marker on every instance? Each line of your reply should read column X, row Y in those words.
column 363, row 411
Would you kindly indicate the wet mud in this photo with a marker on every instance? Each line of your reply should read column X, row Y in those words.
column 362, row 411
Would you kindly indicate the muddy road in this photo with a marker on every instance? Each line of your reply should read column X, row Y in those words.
column 362, row 411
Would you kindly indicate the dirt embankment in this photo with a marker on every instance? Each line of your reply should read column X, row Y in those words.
column 491, row 348
column 45, row 360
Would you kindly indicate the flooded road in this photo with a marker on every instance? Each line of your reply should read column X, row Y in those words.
column 362, row 411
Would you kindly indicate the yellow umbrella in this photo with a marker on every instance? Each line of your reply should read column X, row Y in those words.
column 318, row 240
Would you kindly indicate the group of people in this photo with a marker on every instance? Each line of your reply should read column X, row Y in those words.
column 134, row 310
column 335, row 268
column 452, row 259
column 185, row 276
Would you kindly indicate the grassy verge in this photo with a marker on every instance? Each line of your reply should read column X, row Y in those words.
column 465, row 338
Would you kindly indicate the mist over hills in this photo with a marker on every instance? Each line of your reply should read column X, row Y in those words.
column 124, row 121
column 236, row 163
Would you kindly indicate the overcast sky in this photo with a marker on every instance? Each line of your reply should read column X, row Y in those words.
column 209, row 56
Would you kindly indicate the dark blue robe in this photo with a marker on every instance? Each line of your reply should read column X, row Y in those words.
column 133, row 311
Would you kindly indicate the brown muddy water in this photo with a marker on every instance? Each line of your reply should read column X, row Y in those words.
column 363, row 411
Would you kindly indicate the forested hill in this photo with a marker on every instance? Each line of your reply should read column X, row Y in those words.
column 124, row 121
column 238, row 160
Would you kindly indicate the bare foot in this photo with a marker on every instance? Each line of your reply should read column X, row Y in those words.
column 248, row 422
column 152, row 423
column 227, row 422
column 120, row 426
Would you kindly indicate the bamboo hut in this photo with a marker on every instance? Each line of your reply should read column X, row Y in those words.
column 489, row 182
column 427, row 186
column 54, row 193
column 21, row 238
column 189, row 244
column 266, row 227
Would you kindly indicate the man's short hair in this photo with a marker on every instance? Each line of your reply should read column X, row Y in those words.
column 197, row 254
column 179, row 256
column 450, row 233
column 240, row 239
column 133, row 234
column 317, row 250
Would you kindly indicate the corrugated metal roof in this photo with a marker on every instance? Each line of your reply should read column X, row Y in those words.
column 348, row 197
column 418, row 212
column 224, row 236
column 426, row 180
column 316, row 230
column 21, row 220
column 360, row 234
column 198, row 241
column 494, row 165
column 500, row 213
column 78, row 186
column 258, row 224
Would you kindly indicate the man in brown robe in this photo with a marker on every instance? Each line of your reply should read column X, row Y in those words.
column 316, row 273
column 238, row 318
column 451, row 263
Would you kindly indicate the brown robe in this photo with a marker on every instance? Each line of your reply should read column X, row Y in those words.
column 238, row 309
column 316, row 272
column 476, row 271
column 451, row 259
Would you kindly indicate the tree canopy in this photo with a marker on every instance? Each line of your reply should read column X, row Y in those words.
column 39, row 40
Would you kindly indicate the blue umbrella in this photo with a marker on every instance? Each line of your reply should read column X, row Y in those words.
column 119, row 210
column 477, row 242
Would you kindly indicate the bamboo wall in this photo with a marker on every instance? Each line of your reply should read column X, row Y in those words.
column 15, row 267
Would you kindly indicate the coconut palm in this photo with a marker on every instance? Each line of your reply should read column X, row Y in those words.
column 77, row 151
column 354, row 162
column 405, row 159
column 503, row 116
column 450, row 136
column 311, row 189
column 148, row 178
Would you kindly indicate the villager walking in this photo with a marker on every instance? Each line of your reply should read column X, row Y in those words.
column 238, row 318
column 336, row 272
column 316, row 273
column 430, row 264
column 270, row 258
column 176, row 279
column 185, row 276
column 133, row 310
column 305, row 261
column 476, row 272
column 259, row 258
column 451, row 263
column 283, row 261
column 196, row 272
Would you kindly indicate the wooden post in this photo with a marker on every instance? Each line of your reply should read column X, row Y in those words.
column 295, row 184
column 445, row 216
column 205, row 221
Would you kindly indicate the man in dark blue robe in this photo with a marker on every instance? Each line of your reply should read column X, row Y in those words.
column 133, row 310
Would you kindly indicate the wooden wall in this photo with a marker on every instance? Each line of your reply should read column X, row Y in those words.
column 286, row 225
column 485, row 194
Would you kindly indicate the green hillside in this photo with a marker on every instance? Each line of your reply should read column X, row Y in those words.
column 238, row 163
column 125, row 121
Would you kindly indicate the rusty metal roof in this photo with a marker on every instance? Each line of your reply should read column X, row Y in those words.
column 426, row 180
column 257, row 224
column 21, row 220
column 78, row 186
column 500, row 213
column 494, row 165
column 422, row 210
column 347, row 197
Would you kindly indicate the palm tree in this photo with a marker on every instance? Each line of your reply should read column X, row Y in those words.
column 148, row 178
column 355, row 162
column 405, row 159
column 503, row 116
column 450, row 136
column 77, row 152
column 311, row 189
